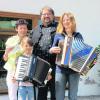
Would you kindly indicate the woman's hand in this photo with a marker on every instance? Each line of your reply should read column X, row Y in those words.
column 55, row 50
column 5, row 56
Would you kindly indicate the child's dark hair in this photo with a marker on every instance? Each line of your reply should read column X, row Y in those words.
column 29, row 41
column 21, row 22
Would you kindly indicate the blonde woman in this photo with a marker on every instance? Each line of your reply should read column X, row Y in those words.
column 66, row 27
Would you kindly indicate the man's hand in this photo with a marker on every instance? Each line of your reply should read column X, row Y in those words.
column 55, row 50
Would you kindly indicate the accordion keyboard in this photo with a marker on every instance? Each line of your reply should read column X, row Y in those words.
column 22, row 68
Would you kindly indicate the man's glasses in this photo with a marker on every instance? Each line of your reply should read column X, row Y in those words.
column 47, row 14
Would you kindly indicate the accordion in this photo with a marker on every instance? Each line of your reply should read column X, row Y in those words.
column 33, row 69
column 76, row 55
column 63, row 59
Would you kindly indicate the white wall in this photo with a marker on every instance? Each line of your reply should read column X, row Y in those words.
column 87, row 13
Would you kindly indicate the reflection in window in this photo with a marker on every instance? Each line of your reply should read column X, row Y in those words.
column 7, row 23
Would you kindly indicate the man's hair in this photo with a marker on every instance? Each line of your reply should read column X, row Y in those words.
column 48, row 8
column 21, row 22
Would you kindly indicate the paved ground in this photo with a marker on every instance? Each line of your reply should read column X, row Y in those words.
column 5, row 96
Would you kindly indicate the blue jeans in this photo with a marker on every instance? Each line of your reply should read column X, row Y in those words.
column 62, row 77
column 25, row 92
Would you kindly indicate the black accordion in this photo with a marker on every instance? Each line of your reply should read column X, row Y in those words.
column 76, row 55
column 33, row 69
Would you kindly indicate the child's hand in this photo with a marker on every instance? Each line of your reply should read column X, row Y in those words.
column 49, row 77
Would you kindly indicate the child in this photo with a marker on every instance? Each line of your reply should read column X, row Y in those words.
column 26, row 88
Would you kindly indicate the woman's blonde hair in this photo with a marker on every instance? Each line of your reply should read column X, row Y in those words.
column 60, row 28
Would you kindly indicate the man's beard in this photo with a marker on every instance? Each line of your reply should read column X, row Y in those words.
column 47, row 22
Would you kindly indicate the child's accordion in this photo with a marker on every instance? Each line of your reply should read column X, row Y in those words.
column 32, row 69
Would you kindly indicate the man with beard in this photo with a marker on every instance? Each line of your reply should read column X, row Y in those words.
column 42, row 37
